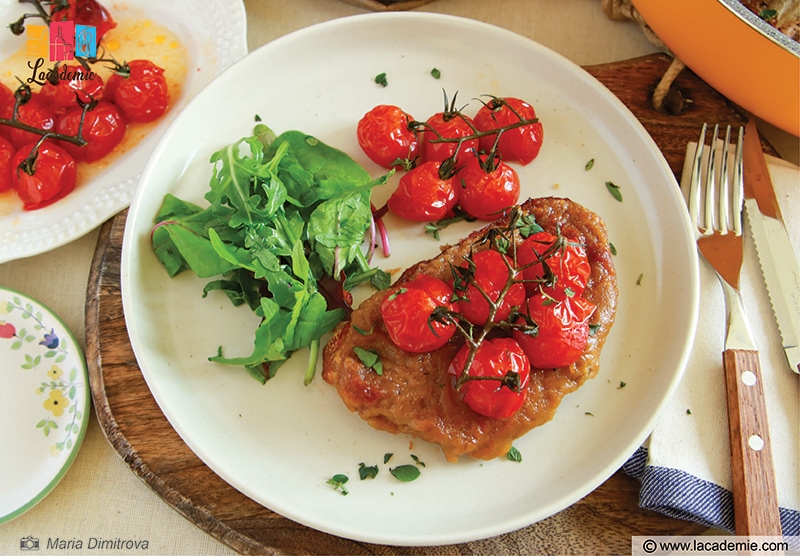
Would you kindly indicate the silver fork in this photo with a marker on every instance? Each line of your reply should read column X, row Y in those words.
column 716, row 201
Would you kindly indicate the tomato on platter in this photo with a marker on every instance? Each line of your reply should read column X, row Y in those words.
column 450, row 124
column 6, row 154
column 84, row 12
column 79, row 84
column 559, row 268
column 34, row 113
column 424, row 194
column 520, row 144
column 563, row 330
column 142, row 95
column 503, row 360
column 407, row 314
column 6, row 108
column 490, row 271
column 489, row 187
column 386, row 137
column 103, row 128
column 53, row 175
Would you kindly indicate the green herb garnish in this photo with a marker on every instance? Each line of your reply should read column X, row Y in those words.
column 436, row 73
column 614, row 190
column 338, row 481
column 589, row 165
column 405, row 473
column 370, row 358
column 514, row 455
column 367, row 471
column 380, row 79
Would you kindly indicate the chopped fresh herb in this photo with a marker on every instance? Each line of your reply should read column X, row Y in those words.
column 593, row 328
column 387, row 456
column 400, row 291
column 612, row 248
column 514, row 455
column 367, row 471
column 688, row 412
column 338, row 481
column 768, row 14
column 436, row 73
column 258, row 118
column 527, row 225
column 622, row 384
column 614, row 190
column 380, row 79
column 370, row 358
column 589, row 413
column 361, row 330
column 589, row 165
column 417, row 460
column 639, row 280
column 405, row 473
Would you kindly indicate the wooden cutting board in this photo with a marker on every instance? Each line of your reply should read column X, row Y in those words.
column 603, row 522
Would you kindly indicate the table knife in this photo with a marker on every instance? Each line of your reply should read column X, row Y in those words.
column 775, row 254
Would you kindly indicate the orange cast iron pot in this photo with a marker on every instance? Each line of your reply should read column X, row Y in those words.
column 733, row 50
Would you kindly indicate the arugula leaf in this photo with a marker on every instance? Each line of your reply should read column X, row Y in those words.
column 283, row 214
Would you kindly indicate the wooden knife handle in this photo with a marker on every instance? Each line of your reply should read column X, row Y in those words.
column 755, row 496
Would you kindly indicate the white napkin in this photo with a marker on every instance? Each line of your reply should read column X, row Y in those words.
column 685, row 464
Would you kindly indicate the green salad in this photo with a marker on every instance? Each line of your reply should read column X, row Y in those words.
column 284, row 232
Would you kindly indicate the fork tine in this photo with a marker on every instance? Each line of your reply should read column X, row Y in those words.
column 726, row 219
column 696, row 177
column 710, row 186
column 738, row 181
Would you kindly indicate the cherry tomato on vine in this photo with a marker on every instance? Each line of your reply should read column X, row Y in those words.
column 559, row 268
column 103, row 128
column 53, row 176
column 143, row 95
column 521, row 144
column 35, row 113
column 488, row 187
column 490, row 275
column 77, row 86
column 85, row 12
column 423, row 195
column 449, row 125
column 6, row 154
column 386, row 138
column 407, row 314
column 563, row 330
column 6, row 107
column 503, row 360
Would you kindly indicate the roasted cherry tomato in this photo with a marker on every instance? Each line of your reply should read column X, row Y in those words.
column 6, row 154
column 84, row 12
column 79, row 84
column 557, row 267
column 53, row 176
column 487, row 187
column 563, row 329
column 103, row 128
column 489, row 275
column 386, row 138
column 6, row 108
column 520, row 144
column 501, row 359
column 424, row 194
column 407, row 314
column 447, row 125
column 35, row 113
column 143, row 95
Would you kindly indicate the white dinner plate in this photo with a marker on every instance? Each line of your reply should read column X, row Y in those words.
column 214, row 38
column 44, row 402
column 281, row 442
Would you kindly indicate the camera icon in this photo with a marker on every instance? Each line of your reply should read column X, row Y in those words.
column 29, row 543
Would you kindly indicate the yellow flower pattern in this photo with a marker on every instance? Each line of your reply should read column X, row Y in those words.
column 55, row 372
column 56, row 403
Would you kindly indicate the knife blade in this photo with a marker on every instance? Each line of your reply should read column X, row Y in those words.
column 775, row 254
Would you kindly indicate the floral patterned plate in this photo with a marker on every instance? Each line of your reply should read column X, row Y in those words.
column 44, row 402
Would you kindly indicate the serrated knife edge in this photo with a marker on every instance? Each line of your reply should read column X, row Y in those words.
column 782, row 276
